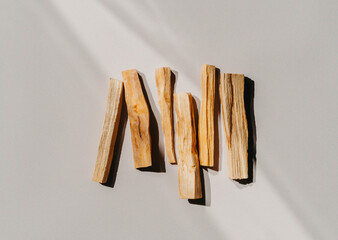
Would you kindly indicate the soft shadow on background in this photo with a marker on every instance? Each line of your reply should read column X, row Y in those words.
column 56, row 57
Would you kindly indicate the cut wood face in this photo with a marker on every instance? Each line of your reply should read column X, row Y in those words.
column 206, row 135
column 164, row 93
column 109, row 132
column 138, row 114
column 188, row 165
column 235, row 124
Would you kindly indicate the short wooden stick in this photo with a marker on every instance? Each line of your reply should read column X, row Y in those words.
column 109, row 132
column 138, row 114
column 188, row 165
column 235, row 124
column 164, row 92
column 206, row 130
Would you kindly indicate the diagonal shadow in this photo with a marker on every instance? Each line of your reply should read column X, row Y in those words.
column 59, row 28
column 163, row 46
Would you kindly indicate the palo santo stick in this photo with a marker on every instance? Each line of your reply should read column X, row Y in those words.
column 206, row 134
column 109, row 132
column 189, row 179
column 164, row 92
column 235, row 124
column 138, row 113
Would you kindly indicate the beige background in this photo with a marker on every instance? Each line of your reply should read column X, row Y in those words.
column 55, row 62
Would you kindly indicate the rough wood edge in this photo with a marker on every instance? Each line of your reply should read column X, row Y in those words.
column 109, row 131
column 235, row 124
column 165, row 99
column 138, row 114
column 188, row 163
column 206, row 135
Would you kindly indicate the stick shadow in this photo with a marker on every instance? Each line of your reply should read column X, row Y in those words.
column 173, row 79
column 217, row 161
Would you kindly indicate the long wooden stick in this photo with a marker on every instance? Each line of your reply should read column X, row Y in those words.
column 164, row 92
column 188, row 165
column 206, row 130
column 235, row 124
column 138, row 114
column 109, row 132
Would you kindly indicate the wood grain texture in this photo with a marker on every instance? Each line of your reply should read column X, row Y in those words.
column 188, row 165
column 235, row 124
column 109, row 132
column 164, row 93
column 206, row 135
column 138, row 114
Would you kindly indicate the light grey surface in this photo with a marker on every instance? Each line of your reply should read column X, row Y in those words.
column 55, row 62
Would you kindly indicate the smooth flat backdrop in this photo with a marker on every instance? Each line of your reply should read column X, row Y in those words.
column 56, row 58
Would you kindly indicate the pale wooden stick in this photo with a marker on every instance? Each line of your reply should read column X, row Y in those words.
column 164, row 92
column 235, row 124
column 206, row 130
column 138, row 113
column 188, row 165
column 109, row 132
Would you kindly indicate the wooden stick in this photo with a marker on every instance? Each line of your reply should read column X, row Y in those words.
column 164, row 92
column 188, row 165
column 206, row 130
column 109, row 132
column 235, row 124
column 138, row 113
